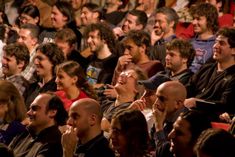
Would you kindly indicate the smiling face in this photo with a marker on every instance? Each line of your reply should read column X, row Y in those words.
column 132, row 49
column 161, row 24
column 43, row 65
column 94, row 41
column 130, row 23
column 199, row 24
column 10, row 66
column 57, row 18
column 64, row 81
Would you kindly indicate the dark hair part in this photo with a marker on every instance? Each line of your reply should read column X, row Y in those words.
column 92, row 7
column 134, row 128
column 34, row 29
column 72, row 68
column 216, row 143
column 228, row 33
column 198, row 121
column 142, row 17
column 20, row 51
column 66, row 35
column 53, row 52
column 171, row 15
column 184, row 47
column 105, row 33
column 5, row 151
column 55, row 103
column 210, row 12
column 31, row 11
column 66, row 9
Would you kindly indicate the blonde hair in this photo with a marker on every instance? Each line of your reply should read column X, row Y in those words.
column 16, row 107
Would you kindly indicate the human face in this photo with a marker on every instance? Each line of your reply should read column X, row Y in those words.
column 87, row 16
column 64, row 81
column 180, row 136
column 149, row 97
column 132, row 49
column 43, row 65
column 9, row 65
column 79, row 119
column 118, row 139
column 57, row 18
column 127, row 82
column 222, row 52
column 143, row 5
column 94, row 41
column 130, row 23
column 199, row 24
column 165, row 101
column 174, row 61
column 39, row 117
column 26, row 38
column 26, row 19
column 76, row 4
column 161, row 24
column 64, row 46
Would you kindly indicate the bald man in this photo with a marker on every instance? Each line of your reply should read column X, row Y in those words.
column 169, row 104
column 83, row 136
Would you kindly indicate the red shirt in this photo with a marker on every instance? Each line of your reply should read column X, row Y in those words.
column 68, row 102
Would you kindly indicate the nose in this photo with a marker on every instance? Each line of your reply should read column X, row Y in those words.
column 194, row 21
column 70, row 121
column 56, row 80
column 20, row 40
column 89, row 40
column 29, row 112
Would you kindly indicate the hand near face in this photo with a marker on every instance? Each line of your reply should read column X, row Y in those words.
column 155, row 37
column 110, row 92
column 123, row 61
column 69, row 140
column 190, row 102
column 159, row 117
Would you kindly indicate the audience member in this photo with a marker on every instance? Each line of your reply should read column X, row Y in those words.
column 83, row 136
column 29, row 14
column 215, row 82
column 205, row 25
column 166, row 20
column 77, row 4
column 129, row 134
column 13, row 112
column 179, row 56
column 215, row 143
column 15, row 60
column 71, row 83
column 183, row 136
column 5, row 151
column 47, row 56
column 28, row 34
column 42, row 137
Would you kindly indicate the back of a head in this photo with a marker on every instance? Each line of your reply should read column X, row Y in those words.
column 5, row 151
column 66, row 35
column 215, row 143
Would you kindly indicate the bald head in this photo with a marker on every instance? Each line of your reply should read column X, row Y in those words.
column 174, row 89
column 91, row 106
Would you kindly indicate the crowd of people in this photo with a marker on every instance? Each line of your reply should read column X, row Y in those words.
column 117, row 78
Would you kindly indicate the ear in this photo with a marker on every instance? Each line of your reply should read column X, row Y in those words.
column 184, row 60
column 20, row 65
column 142, row 48
column 179, row 104
column 171, row 24
column 65, row 18
column 52, row 113
column 139, row 27
column 233, row 52
column 92, row 120
column 95, row 15
column 36, row 19
column 75, row 79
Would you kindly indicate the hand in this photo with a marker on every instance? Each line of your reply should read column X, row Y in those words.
column 123, row 61
column 69, row 140
column 138, row 105
column 118, row 32
column 190, row 102
column 110, row 92
column 159, row 117
column 155, row 37
column 225, row 117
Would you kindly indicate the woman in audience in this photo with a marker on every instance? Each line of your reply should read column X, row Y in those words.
column 47, row 57
column 71, row 83
column 29, row 14
column 129, row 134
column 12, row 112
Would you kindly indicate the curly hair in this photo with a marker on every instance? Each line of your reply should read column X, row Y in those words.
column 210, row 12
column 72, row 68
column 53, row 52
column 105, row 33
column 228, row 33
column 184, row 47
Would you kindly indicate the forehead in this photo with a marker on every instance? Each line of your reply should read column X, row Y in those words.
column 41, row 100
column 222, row 38
column 129, row 42
column 85, row 9
column 160, row 16
column 173, row 51
column 131, row 17
column 94, row 33
column 24, row 32
column 181, row 124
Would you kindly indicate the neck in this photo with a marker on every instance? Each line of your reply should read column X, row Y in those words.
column 104, row 52
column 46, row 79
column 175, row 72
column 124, row 98
column 221, row 66
column 144, row 59
column 38, row 129
column 72, row 93
column 90, row 134
column 112, row 8
column 168, row 34
column 206, row 35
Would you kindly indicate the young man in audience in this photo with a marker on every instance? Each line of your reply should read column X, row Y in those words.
column 215, row 82
column 84, row 136
column 15, row 60
column 205, row 24
column 28, row 34
column 166, row 20
column 42, row 137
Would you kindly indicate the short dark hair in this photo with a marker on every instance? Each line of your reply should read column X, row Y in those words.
column 228, row 33
column 170, row 13
column 55, row 103
column 184, row 47
column 94, row 8
column 66, row 9
column 20, row 51
column 66, row 35
column 53, row 52
column 34, row 29
column 210, row 12
column 142, row 17
column 216, row 143
column 31, row 11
